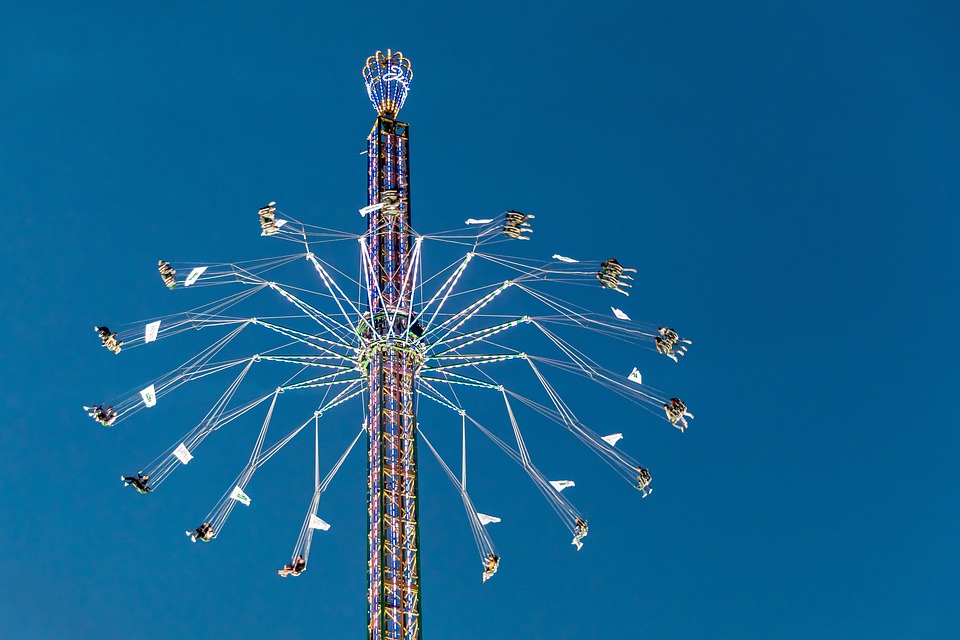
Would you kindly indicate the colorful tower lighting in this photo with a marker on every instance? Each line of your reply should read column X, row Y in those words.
column 392, row 364
column 387, row 77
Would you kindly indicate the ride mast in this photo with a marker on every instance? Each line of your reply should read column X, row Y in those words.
column 392, row 361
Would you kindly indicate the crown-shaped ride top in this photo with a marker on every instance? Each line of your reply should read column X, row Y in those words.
column 387, row 77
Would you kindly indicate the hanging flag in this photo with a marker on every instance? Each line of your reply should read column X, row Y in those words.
column 182, row 454
column 485, row 519
column 613, row 438
column 563, row 258
column 475, row 221
column 560, row 485
column 151, row 332
column 635, row 376
column 238, row 495
column 371, row 208
column 149, row 396
column 194, row 275
column 317, row 523
column 620, row 314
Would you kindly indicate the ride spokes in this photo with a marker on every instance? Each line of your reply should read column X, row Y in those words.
column 496, row 338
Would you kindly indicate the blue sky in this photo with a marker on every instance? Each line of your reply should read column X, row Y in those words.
column 783, row 175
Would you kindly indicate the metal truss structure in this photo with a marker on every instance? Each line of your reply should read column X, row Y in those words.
column 391, row 357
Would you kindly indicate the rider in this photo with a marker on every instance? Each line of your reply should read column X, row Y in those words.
column 677, row 413
column 490, row 565
column 609, row 276
column 665, row 347
column 672, row 336
column 168, row 274
column 101, row 415
column 114, row 343
column 608, row 280
column 674, row 416
column 516, row 224
column 96, row 412
column 611, row 266
column 108, row 339
column 268, row 219
column 109, row 416
column 203, row 533
column 668, row 334
column 643, row 481
column 677, row 404
column 295, row 568
column 139, row 483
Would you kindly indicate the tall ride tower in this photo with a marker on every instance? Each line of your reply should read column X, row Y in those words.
column 392, row 360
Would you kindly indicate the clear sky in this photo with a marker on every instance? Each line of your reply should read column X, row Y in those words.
column 784, row 175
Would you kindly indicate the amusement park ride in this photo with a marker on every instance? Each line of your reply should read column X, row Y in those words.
column 390, row 348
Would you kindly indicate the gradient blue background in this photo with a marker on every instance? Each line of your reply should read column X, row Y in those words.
column 784, row 174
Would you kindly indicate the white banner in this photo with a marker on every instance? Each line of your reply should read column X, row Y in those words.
column 485, row 519
column 371, row 208
column 560, row 485
column 238, row 495
column 149, row 396
column 317, row 523
column 563, row 258
column 619, row 314
column 151, row 332
column 635, row 376
column 613, row 438
column 194, row 276
column 182, row 454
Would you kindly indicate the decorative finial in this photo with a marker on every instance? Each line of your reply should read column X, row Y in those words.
column 387, row 77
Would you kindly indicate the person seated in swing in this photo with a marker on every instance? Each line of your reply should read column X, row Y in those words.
column 390, row 199
column 676, row 416
column 490, row 565
column 643, row 481
column 516, row 224
column 203, row 533
column 678, row 404
column 665, row 347
column 517, row 218
column 108, row 339
column 612, row 267
column 106, row 416
column 672, row 338
column 139, row 483
column 579, row 532
column 609, row 281
column 668, row 334
column 98, row 413
column 294, row 569
column 580, row 528
column 168, row 274
column 268, row 219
